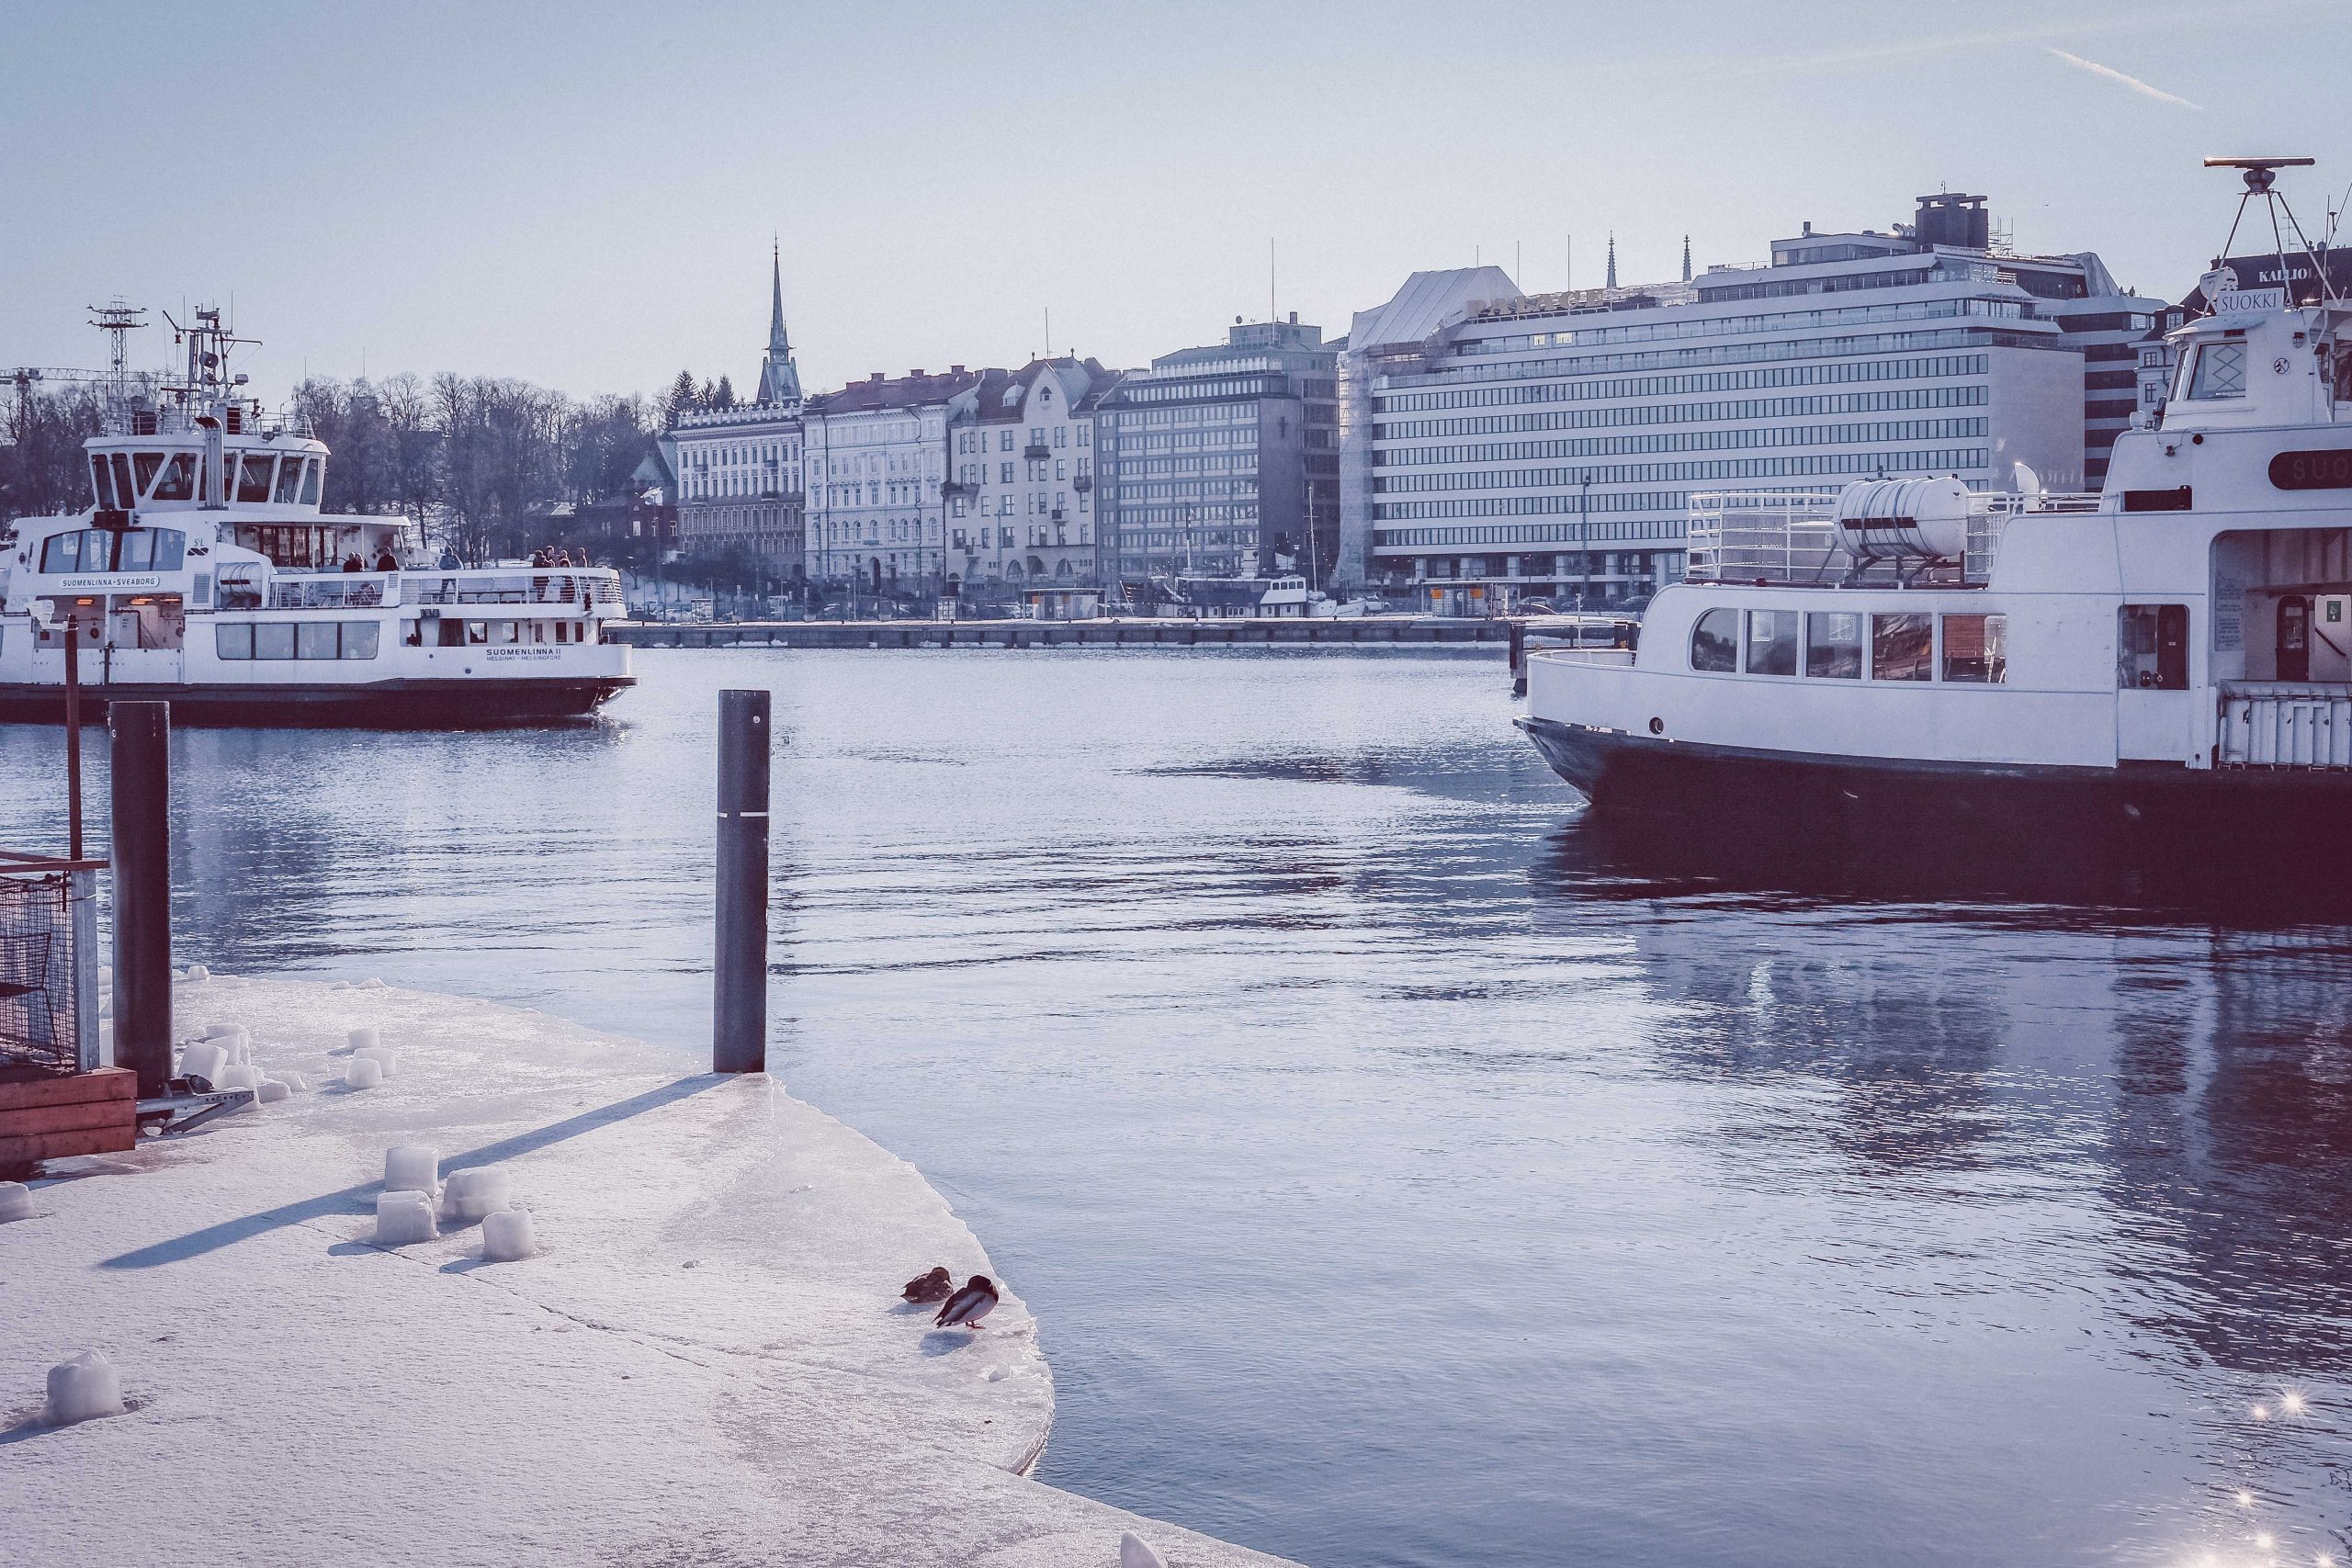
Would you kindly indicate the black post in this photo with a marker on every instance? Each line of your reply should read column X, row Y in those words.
column 72, row 738
column 739, row 1040
column 143, row 891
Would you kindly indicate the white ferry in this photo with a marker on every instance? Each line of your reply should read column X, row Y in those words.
column 2174, row 652
column 206, row 575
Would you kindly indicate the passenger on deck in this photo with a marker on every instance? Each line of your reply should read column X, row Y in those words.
column 449, row 558
column 352, row 563
column 384, row 562
column 539, row 557
column 562, row 558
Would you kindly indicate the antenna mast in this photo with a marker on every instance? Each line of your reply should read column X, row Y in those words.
column 116, row 320
column 2261, row 174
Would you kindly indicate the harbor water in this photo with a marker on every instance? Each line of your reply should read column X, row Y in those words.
column 1406, row 1170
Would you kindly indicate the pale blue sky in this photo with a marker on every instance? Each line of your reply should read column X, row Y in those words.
column 582, row 194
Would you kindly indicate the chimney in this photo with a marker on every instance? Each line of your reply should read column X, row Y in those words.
column 915, row 374
column 876, row 376
column 954, row 370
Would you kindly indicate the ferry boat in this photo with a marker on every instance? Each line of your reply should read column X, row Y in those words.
column 204, row 574
column 2175, row 653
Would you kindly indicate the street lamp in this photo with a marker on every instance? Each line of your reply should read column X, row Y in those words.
column 1584, row 544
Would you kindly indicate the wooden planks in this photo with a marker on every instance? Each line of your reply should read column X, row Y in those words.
column 86, row 1113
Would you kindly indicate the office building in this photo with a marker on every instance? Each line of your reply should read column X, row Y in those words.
column 1222, row 461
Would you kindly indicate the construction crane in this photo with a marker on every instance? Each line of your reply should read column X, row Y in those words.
column 25, row 378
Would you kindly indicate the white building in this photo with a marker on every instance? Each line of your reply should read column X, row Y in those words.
column 740, row 471
column 1021, row 488
column 876, row 458
column 1550, row 445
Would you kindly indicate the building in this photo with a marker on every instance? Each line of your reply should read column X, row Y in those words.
column 1021, row 485
column 877, row 460
column 1221, row 461
column 1550, row 445
column 738, row 470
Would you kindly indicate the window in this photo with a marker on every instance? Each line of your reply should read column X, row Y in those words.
column 2152, row 647
column 126, row 495
column 359, row 640
column 273, row 639
column 151, row 549
column 1004, row 475
column 1903, row 647
column 63, row 552
column 234, row 640
column 477, row 633
column 1004, row 444
column 1772, row 642
column 2218, row 370
column 178, row 482
column 1714, row 642
column 315, row 639
column 1833, row 645
column 1976, row 649
column 99, row 482
column 289, row 481
column 147, row 463
column 314, row 476
column 255, row 484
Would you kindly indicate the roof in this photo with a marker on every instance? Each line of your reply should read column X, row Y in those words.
column 879, row 391
column 1428, row 302
column 1002, row 396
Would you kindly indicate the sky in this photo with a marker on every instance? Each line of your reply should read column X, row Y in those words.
column 584, row 196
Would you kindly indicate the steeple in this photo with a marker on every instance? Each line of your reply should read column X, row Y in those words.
column 1612, row 260
column 779, row 377
column 1686, row 258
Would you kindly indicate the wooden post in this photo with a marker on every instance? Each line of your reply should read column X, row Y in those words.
column 143, row 891
column 739, row 968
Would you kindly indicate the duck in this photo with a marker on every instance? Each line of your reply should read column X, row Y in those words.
column 931, row 1287
column 968, row 1306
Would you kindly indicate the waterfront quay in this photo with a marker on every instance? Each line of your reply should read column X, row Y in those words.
column 1233, row 632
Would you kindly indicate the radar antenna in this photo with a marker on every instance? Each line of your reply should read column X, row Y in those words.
column 2261, row 174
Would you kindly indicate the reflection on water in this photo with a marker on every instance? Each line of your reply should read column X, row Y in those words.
column 1405, row 1168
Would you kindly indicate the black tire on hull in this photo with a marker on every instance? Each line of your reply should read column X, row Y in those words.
column 390, row 705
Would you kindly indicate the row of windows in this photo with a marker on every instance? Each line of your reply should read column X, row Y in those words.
column 1748, row 353
column 1213, row 463
column 1940, row 461
column 1162, row 419
column 1186, row 440
column 968, row 441
column 296, row 639
column 1528, row 533
column 1688, row 413
column 121, row 479
column 1680, row 325
column 103, row 549
column 1941, row 367
column 1691, row 440
column 1902, row 645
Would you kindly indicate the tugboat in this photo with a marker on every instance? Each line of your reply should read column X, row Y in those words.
column 2172, row 655
column 204, row 574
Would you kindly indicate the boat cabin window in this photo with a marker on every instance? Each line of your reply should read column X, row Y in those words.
column 1833, row 644
column 178, row 482
column 254, row 485
column 1976, row 649
column 2215, row 369
column 1772, row 642
column 1714, row 642
column 126, row 495
column 101, row 485
column 1903, row 647
column 144, row 466
column 287, row 545
column 289, row 481
column 313, row 475
column 103, row 549
column 2152, row 647
column 295, row 639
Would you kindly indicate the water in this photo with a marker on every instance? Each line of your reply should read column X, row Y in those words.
column 1404, row 1169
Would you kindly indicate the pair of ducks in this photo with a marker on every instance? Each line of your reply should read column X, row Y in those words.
column 965, row 1305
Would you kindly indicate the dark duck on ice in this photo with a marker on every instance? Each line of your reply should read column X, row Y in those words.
column 968, row 1306
column 931, row 1287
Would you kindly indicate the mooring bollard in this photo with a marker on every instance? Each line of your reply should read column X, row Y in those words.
column 739, row 1040
column 143, row 891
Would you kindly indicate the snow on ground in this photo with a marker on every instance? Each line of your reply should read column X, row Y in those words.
column 705, row 1361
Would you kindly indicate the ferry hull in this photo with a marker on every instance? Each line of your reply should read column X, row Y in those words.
column 1997, row 805
column 380, row 705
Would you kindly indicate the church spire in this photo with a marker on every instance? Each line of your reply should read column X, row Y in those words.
column 1686, row 258
column 779, row 377
column 1612, row 260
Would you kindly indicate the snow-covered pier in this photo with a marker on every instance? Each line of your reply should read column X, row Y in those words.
column 701, row 1358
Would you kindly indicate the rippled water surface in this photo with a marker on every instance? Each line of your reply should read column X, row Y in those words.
column 1404, row 1169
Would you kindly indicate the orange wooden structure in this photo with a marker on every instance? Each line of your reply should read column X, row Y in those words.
column 85, row 1114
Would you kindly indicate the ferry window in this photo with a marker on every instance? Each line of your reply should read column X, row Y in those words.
column 1833, row 645
column 313, row 471
column 1976, row 649
column 99, row 481
column 289, row 481
column 505, row 631
column 273, row 639
column 2218, row 370
column 178, row 482
column 254, row 485
column 2344, row 374
column 453, row 634
column 1772, row 642
column 413, row 634
column 360, row 639
column 1903, row 647
column 477, row 632
column 144, row 465
column 126, row 495
column 136, row 552
column 61, row 552
column 315, row 639
column 2152, row 647
column 1714, row 641
column 233, row 639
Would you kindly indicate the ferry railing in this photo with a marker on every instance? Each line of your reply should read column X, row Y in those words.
column 2284, row 724
column 1792, row 537
column 345, row 591
column 556, row 587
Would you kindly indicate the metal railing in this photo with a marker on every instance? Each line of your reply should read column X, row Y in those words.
column 1791, row 536
column 2284, row 724
column 556, row 587
column 342, row 592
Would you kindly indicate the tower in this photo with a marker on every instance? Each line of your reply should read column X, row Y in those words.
column 1686, row 258
column 1612, row 260
column 779, row 377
